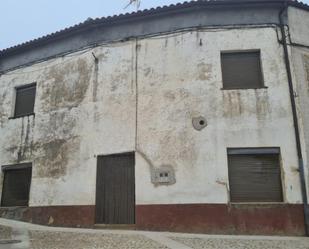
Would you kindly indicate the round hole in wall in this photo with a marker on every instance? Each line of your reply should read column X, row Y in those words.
column 199, row 123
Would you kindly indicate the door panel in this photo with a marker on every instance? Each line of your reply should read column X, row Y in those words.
column 115, row 191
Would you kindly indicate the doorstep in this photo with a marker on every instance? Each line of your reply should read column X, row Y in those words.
column 115, row 226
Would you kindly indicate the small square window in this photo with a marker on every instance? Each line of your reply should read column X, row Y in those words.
column 16, row 185
column 24, row 101
column 241, row 70
column 255, row 175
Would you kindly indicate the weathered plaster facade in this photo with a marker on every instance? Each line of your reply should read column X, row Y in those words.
column 141, row 95
column 299, row 23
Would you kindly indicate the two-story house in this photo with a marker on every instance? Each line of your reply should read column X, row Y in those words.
column 191, row 117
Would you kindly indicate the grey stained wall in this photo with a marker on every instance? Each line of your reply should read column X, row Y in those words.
column 299, row 33
column 142, row 96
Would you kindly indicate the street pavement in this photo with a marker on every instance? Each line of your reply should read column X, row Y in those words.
column 21, row 235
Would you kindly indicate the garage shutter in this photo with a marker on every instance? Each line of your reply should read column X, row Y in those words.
column 255, row 177
column 16, row 186
column 241, row 70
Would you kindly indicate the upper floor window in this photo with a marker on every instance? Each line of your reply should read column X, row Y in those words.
column 24, row 101
column 241, row 70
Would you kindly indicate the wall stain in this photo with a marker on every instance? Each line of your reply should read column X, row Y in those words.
column 68, row 84
column 177, row 95
column 237, row 103
column 51, row 152
column 58, row 124
column 54, row 155
column 24, row 144
column 306, row 65
column 170, row 95
column 204, row 71
column 262, row 104
column 180, row 146
column 119, row 77
column 64, row 86
column 232, row 103
column 147, row 71
column 95, row 80
column 166, row 43
column 3, row 115
column 22, row 149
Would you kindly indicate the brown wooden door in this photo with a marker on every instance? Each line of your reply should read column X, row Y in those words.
column 115, row 190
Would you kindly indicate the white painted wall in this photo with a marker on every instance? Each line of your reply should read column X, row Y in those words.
column 299, row 25
column 299, row 32
column 177, row 79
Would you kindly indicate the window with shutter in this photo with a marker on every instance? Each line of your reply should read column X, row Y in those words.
column 24, row 101
column 16, row 185
column 241, row 70
column 255, row 175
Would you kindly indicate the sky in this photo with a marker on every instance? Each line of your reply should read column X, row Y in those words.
column 24, row 20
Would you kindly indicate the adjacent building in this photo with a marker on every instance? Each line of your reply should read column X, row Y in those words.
column 191, row 117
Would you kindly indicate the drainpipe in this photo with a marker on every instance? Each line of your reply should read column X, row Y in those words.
column 295, row 120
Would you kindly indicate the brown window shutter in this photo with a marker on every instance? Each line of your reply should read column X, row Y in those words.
column 241, row 70
column 25, row 98
column 255, row 178
column 16, row 186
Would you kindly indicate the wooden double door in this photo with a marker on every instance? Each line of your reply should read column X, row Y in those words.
column 115, row 189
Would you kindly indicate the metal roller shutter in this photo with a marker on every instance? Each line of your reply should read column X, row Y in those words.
column 255, row 178
column 241, row 70
column 25, row 97
column 16, row 186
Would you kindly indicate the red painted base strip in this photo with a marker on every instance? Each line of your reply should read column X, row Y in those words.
column 223, row 219
column 281, row 219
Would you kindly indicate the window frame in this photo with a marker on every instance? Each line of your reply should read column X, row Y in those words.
column 260, row 68
column 20, row 87
column 256, row 151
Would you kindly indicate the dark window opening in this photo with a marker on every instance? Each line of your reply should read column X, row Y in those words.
column 16, row 185
column 241, row 70
column 255, row 175
column 24, row 102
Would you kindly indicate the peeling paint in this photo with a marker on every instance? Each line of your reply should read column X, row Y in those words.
column 204, row 71
column 54, row 157
column 86, row 107
column 3, row 115
column 233, row 105
column 262, row 104
column 22, row 151
column 68, row 85
column 95, row 80
column 306, row 65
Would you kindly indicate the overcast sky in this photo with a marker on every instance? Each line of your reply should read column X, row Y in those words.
column 23, row 20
